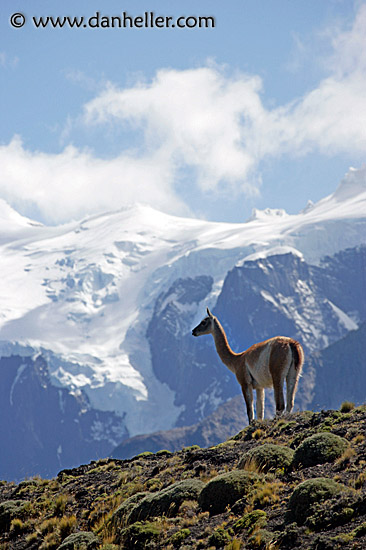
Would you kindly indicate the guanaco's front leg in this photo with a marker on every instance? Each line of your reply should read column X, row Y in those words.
column 248, row 398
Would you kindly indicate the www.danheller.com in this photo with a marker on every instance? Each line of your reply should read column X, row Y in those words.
column 148, row 20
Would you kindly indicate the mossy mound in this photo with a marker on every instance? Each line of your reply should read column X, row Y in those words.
column 9, row 510
column 310, row 492
column 119, row 518
column 83, row 539
column 219, row 538
column 226, row 489
column 139, row 535
column 257, row 519
column 267, row 457
column 319, row 449
column 167, row 501
column 179, row 537
column 336, row 511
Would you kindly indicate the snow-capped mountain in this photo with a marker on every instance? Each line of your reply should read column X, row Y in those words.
column 93, row 297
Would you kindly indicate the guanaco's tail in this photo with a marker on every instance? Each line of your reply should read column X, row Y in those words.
column 297, row 354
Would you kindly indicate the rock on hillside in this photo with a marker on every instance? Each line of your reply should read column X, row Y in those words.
column 206, row 498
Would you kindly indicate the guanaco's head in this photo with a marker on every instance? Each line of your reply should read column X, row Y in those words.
column 205, row 326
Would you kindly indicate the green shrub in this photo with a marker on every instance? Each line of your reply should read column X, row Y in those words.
column 84, row 539
column 360, row 531
column 60, row 505
column 251, row 521
column 219, row 538
column 144, row 454
column 178, row 537
column 167, row 501
column 261, row 539
column 324, row 516
column 226, row 489
column 67, row 526
column 310, row 492
column 336, row 511
column 9, row 510
column 347, row 406
column 267, row 457
column 318, row 449
column 164, row 452
column 120, row 515
column 191, row 448
column 139, row 535
column 51, row 542
column 17, row 526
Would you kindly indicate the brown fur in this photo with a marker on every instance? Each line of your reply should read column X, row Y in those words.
column 298, row 354
column 263, row 365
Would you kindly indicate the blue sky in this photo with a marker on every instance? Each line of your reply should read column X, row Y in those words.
column 267, row 109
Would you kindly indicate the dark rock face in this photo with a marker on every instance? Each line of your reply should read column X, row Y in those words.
column 284, row 295
column 340, row 372
column 345, row 281
column 47, row 428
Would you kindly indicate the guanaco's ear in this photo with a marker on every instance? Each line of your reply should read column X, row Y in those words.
column 209, row 313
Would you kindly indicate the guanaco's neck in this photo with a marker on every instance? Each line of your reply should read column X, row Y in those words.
column 226, row 354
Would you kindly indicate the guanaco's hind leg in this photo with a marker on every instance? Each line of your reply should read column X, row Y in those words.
column 292, row 379
column 279, row 365
column 278, row 381
column 279, row 399
column 248, row 398
column 260, row 403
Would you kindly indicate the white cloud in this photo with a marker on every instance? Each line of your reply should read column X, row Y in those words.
column 332, row 117
column 219, row 125
column 194, row 116
column 73, row 183
column 203, row 121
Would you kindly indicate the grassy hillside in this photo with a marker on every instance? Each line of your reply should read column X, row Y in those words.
column 281, row 484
